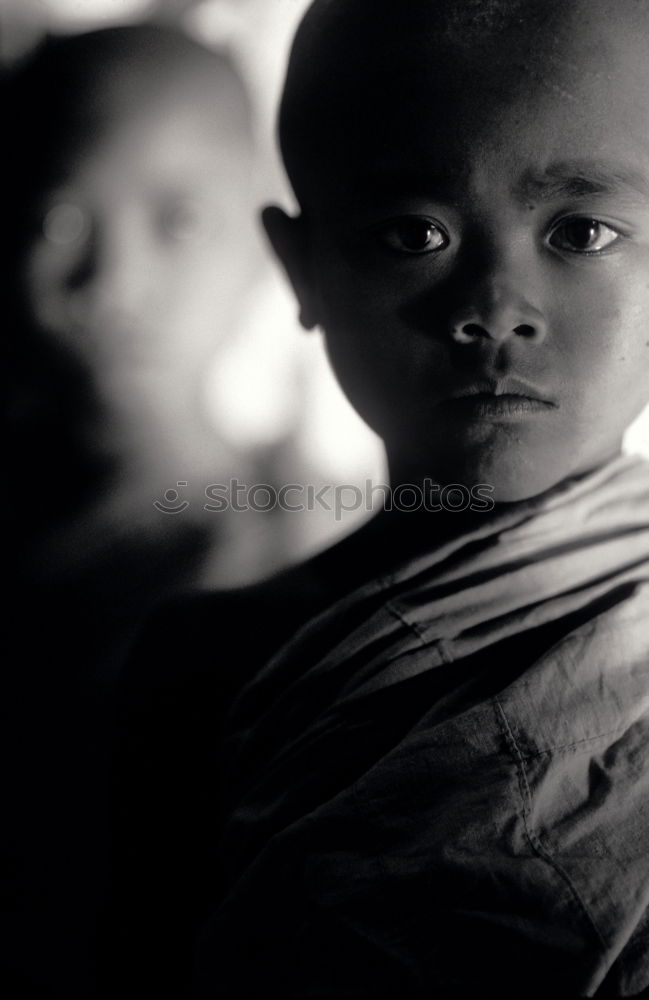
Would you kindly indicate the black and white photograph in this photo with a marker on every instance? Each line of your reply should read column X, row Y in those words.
column 326, row 407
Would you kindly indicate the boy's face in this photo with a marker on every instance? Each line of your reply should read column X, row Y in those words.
column 485, row 231
column 145, row 244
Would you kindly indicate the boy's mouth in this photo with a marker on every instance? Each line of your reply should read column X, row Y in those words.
column 506, row 398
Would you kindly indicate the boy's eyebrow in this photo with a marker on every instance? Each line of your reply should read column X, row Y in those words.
column 563, row 179
column 581, row 179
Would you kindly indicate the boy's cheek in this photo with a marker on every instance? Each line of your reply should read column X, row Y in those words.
column 367, row 298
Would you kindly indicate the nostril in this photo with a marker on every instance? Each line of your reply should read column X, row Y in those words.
column 474, row 330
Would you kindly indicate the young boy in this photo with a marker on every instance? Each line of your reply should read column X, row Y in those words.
column 431, row 741
column 129, row 221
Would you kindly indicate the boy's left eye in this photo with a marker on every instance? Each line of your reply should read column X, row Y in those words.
column 412, row 234
column 583, row 235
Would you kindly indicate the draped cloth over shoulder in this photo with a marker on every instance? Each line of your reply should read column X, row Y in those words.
column 440, row 785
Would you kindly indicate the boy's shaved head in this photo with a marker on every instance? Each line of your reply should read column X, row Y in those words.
column 349, row 54
column 71, row 89
column 123, row 64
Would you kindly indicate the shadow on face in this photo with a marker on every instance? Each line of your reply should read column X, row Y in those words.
column 475, row 233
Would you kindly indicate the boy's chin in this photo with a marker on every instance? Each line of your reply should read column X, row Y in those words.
column 505, row 485
column 513, row 475
column 510, row 489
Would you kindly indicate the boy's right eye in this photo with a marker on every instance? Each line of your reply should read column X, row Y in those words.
column 65, row 223
column 412, row 234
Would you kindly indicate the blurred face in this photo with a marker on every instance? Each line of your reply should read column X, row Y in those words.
column 479, row 257
column 145, row 243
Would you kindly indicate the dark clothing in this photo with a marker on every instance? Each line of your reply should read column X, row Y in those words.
column 63, row 639
column 434, row 786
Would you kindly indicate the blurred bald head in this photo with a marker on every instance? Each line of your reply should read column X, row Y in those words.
column 131, row 210
column 69, row 92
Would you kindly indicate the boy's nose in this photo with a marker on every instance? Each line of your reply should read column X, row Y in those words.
column 498, row 315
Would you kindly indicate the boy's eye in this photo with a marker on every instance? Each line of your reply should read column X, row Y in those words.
column 582, row 235
column 412, row 234
column 65, row 223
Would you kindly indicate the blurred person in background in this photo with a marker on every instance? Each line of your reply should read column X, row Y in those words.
column 134, row 227
column 132, row 234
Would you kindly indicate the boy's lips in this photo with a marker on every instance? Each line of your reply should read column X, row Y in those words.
column 506, row 398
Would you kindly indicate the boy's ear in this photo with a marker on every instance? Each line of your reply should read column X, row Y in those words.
column 289, row 239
